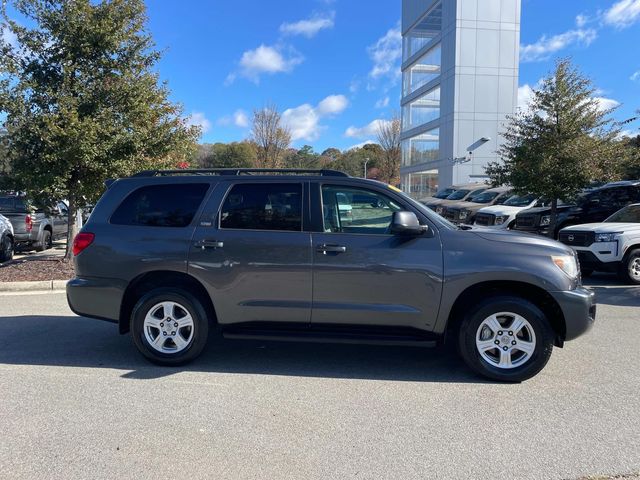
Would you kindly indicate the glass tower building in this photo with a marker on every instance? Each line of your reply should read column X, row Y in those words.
column 459, row 82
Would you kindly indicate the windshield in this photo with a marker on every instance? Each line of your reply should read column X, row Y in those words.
column 520, row 200
column 474, row 195
column 445, row 193
column 485, row 197
column 629, row 214
column 434, row 217
column 458, row 194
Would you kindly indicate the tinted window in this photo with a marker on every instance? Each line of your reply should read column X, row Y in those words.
column 356, row 210
column 485, row 197
column 630, row 214
column 275, row 206
column 12, row 204
column 520, row 200
column 161, row 205
column 458, row 195
column 445, row 193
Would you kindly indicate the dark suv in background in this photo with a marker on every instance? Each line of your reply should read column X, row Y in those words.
column 318, row 256
column 594, row 205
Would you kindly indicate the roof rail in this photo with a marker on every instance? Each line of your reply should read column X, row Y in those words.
column 239, row 171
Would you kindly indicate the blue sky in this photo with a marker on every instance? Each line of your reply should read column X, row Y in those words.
column 332, row 66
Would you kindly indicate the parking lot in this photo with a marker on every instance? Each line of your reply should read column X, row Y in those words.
column 79, row 402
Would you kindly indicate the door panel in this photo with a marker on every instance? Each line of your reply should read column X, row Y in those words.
column 373, row 279
column 255, row 275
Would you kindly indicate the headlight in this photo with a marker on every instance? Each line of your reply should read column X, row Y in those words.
column 500, row 220
column 607, row 237
column 566, row 263
column 463, row 215
column 545, row 220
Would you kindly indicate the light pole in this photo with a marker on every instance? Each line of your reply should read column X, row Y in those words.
column 366, row 160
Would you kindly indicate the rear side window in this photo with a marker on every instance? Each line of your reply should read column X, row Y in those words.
column 262, row 206
column 172, row 205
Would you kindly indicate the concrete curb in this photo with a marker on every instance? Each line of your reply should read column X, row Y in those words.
column 39, row 286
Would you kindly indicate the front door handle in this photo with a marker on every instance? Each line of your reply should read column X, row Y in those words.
column 324, row 249
column 209, row 244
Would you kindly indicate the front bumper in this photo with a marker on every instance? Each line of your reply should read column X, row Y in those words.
column 579, row 310
column 96, row 297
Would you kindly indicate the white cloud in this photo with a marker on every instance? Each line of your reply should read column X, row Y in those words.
column 354, row 86
column 198, row 119
column 9, row 37
column 581, row 20
column 623, row 13
column 635, row 77
column 309, row 27
column 304, row 120
column 382, row 102
column 369, row 130
column 525, row 93
column 265, row 60
column 386, row 54
column 546, row 46
column 240, row 119
column 332, row 105
column 606, row 103
column 360, row 145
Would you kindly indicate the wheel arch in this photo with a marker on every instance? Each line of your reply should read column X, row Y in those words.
column 480, row 291
column 148, row 281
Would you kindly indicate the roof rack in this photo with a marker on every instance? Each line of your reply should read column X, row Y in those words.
column 239, row 171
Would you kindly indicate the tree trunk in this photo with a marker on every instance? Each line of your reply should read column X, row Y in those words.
column 72, row 227
column 554, row 218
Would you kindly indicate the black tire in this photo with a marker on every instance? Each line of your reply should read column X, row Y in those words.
column 630, row 267
column 46, row 243
column 586, row 272
column 544, row 337
column 6, row 249
column 189, row 304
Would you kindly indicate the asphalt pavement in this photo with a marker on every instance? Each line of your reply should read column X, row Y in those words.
column 78, row 401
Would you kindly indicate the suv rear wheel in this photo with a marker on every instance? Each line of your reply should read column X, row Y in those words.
column 169, row 326
column 507, row 339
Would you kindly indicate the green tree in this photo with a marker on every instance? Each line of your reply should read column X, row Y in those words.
column 82, row 99
column 226, row 155
column 303, row 158
column 352, row 161
column 560, row 143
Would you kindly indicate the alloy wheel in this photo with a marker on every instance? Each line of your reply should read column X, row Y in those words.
column 168, row 327
column 505, row 340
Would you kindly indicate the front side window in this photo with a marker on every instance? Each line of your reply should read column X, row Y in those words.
column 263, row 206
column 171, row 205
column 356, row 210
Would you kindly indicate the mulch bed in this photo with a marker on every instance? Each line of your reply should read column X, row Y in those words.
column 24, row 270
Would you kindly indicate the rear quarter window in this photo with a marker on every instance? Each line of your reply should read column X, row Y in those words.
column 171, row 205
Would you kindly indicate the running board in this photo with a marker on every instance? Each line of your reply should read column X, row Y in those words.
column 324, row 337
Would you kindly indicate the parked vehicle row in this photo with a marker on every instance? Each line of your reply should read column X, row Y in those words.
column 35, row 225
column 601, row 225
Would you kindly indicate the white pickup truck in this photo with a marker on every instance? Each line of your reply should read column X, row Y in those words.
column 609, row 246
column 504, row 216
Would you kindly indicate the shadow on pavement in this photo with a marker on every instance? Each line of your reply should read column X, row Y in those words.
column 80, row 342
column 611, row 291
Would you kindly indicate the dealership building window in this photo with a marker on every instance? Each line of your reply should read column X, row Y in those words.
column 423, row 109
column 424, row 32
column 426, row 69
column 422, row 148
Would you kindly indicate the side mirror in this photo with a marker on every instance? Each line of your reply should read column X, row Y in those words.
column 406, row 223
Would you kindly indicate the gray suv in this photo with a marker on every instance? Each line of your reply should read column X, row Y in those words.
column 172, row 255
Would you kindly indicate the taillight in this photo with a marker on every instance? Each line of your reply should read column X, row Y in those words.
column 28, row 223
column 82, row 241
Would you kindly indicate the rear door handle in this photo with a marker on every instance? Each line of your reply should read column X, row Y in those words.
column 209, row 244
column 324, row 249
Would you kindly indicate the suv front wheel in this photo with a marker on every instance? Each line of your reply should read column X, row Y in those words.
column 169, row 326
column 507, row 339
